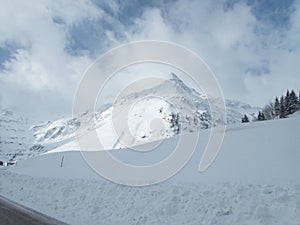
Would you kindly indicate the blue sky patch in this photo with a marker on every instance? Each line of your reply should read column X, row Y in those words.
column 5, row 54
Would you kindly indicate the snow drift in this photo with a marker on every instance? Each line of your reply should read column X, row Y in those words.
column 254, row 180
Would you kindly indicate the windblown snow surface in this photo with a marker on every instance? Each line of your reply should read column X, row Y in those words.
column 254, row 180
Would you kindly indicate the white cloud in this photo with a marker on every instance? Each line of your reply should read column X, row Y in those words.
column 250, row 65
column 41, row 65
column 222, row 38
column 252, row 61
column 151, row 26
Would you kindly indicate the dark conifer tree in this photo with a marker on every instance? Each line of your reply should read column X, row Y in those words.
column 277, row 107
column 245, row 119
column 293, row 100
column 287, row 103
column 260, row 116
column 282, row 113
column 263, row 116
column 299, row 101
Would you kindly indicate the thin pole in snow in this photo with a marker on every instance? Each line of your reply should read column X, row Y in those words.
column 62, row 161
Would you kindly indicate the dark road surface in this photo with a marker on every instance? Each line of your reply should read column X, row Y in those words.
column 12, row 213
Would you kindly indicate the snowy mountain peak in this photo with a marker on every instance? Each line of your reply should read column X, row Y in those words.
column 191, row 91
column 175, row 78
column 158, row 112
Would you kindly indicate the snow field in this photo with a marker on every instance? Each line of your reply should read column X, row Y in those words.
column 79, row 201
column 254, row 180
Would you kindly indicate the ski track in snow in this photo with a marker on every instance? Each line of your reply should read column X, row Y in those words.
column 78, row 201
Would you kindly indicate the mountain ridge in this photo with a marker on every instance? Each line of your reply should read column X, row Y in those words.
column 188, row 112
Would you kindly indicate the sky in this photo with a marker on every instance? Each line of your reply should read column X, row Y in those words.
column 252, row 46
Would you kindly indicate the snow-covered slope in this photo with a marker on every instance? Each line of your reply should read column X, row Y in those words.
column 264, row 152
column 179, row 108
column 15, row 139
column 150, row 119
column 254, row 180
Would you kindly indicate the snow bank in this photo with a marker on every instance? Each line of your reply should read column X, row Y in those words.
column 254, row 180
column 80, row 201
column 262, row 152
